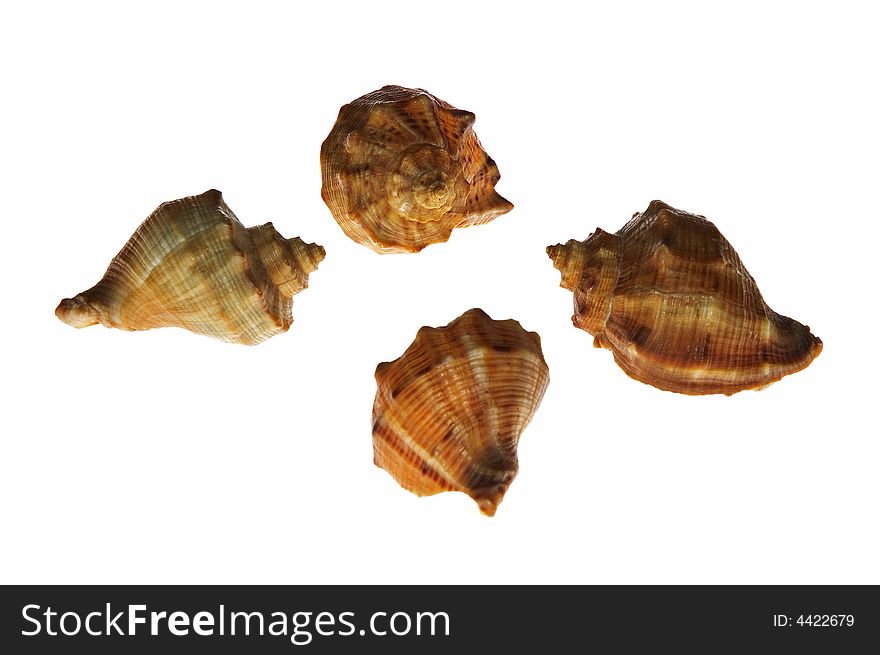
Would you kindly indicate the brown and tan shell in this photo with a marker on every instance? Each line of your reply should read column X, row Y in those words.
column 668, row 295
column 192, row 264
column 401, row 169
column 449, row 412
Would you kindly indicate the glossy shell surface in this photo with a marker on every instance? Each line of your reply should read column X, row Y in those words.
column 449, row 412
column 192, row 264
column 669, row 296
column 401, row 169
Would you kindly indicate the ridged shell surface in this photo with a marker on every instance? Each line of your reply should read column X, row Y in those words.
column 669, row 296
column 401, row 169
column 449, row 412
column 192, row 264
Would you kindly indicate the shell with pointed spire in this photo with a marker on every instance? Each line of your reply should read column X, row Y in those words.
column 669, row 296
column 449, row 412
column 192, row 264
column 401, row 169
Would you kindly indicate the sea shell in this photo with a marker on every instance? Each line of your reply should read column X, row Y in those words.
column 669, row 296
column 449, row 412
column 401, row 169
column 192, row 264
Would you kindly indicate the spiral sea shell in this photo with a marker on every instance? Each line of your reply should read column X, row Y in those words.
column 449, row 412
column 192, row 264
column 401, row 169
column 668, row 295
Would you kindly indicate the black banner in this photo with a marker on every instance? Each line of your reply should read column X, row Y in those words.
column 338, row 619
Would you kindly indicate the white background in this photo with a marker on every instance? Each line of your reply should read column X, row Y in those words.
column 163, row 456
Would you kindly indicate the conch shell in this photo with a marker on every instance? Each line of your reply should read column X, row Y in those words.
column 669, row 296
column 192, row 264
column 449, row 412
column 401, row 169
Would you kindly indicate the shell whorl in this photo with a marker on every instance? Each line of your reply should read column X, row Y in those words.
column 401, row 169
column 669, row 296
column 192, row 264
column 449, row 412
column 589, row 269
column 422, row 183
